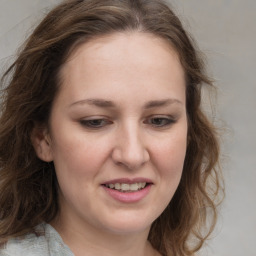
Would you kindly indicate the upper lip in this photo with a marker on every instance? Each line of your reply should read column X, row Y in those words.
column 128, row 181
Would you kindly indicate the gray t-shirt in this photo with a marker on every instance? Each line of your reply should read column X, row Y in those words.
column 47, row 244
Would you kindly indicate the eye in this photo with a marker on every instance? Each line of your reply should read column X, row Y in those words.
column 95, row 123
column 160, row 121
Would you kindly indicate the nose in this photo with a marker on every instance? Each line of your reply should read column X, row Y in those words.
column 130, row 149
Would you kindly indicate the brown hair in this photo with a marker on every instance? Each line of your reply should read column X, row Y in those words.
column 28, row 186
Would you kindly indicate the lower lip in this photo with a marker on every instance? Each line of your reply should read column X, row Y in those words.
column 128, row 197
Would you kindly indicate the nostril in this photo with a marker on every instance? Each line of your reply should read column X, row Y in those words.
column 130, row 157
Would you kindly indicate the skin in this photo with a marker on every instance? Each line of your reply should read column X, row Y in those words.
column 139, row 130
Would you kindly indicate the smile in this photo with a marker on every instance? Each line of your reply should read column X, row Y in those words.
column 123, row 187
column 128, row 190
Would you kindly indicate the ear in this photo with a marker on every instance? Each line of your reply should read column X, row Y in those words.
column 41, row 142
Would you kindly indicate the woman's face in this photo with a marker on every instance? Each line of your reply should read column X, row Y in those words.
column 118, row 133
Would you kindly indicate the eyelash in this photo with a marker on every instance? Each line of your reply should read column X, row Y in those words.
column 99, row 123
column 94, row 123
column 165, row 121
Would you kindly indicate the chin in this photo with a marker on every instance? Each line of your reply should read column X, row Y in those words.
column 128, row 223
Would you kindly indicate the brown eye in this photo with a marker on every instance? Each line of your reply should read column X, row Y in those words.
column 95, row 123
column 160, row 121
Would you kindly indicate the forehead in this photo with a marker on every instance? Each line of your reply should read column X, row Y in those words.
column 124, row 61
column 122, row 47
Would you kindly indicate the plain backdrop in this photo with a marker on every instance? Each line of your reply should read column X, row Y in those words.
column 225, row 30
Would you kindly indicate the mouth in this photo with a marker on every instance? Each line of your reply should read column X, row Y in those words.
column 127, row 190
column 127, row 187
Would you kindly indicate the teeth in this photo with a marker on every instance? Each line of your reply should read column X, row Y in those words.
column 127, row 187
column 134, row 187
column 111, row 185
column 117, row 186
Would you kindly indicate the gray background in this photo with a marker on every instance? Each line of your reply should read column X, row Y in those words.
column 226, row 32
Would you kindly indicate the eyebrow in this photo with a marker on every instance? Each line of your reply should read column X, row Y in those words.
column 161, row 103
column 96, row 102
column 109, row 104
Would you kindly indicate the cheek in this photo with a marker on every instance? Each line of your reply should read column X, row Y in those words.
column 78, row 155
column 170, row 154
column 169, row 159
column 76, row 165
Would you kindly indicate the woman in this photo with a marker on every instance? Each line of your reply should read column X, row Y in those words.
column 104, row 148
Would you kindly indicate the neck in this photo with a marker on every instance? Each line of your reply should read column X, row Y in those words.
column 87, row 241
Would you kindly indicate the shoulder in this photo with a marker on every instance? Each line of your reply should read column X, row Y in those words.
column 44, row 242
column 30, row 244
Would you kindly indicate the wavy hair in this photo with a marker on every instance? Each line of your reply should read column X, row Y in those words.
column 28, row 186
